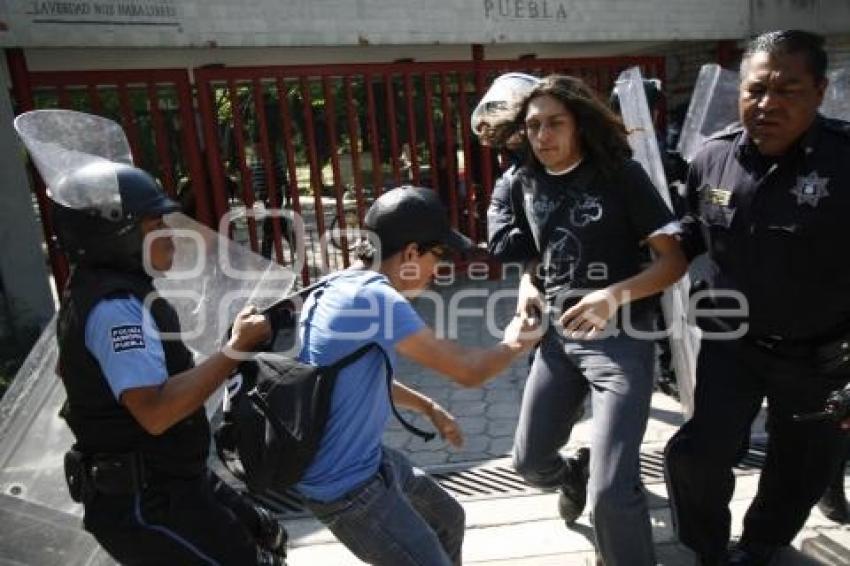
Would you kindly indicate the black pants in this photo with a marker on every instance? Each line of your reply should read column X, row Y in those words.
column 732, row 380
column 197, row 521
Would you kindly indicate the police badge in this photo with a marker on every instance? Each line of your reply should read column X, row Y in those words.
column 810, row 189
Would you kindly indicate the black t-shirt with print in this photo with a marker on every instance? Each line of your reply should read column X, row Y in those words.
column 589, row 227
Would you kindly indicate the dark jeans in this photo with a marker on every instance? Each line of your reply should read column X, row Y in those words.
column 733, row 377
column 401, row 517
column 186, row 521
column 617, row 373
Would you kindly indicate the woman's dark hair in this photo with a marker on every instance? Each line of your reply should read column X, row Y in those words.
column 601, row 132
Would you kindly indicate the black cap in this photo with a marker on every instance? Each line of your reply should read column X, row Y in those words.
column 412, row 214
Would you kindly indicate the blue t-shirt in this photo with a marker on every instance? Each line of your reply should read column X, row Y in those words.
column 125, row 342
column 355, row 308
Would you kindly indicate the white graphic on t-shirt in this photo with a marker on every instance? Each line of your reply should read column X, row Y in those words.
column 586, row 210
column 561, row 257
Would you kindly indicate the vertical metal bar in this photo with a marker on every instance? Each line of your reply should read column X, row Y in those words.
column 286, row 122
column 21, row 86
column 448, row 133
column 485, row 153
column 467, row 158
column 315, row 171
column 268, row 166
column 62, row 97
column 429, row 125
column 411, row 129
column 94, row 99
column 128, row 119
column 330, row 122
column 161, row 141
column 247, row 180
column 208, row 212
column 354, row 139
column 377, row 166
column 391, row 121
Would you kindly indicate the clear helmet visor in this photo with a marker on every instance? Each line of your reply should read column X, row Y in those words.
column 63, row 143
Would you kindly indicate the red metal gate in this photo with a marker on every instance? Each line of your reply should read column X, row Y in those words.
column 321, row 141
column 335, row 136
column 155, row 108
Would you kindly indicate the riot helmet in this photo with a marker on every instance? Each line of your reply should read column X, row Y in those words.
column 109, row 233
column 652, row 90
column 494, row 118
column 99, row 196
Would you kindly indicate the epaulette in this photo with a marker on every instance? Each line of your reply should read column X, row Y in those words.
column 836, row 126
column 728, row 132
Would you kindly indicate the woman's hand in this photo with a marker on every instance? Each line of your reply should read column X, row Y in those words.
column 446, row 425
column 590, row 316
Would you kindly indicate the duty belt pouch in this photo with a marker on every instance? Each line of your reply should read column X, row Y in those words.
column 76, row 476
column 832, row 358
column 117, row 474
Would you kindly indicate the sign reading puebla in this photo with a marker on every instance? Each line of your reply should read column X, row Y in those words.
column 524, row 10
column 104, row 12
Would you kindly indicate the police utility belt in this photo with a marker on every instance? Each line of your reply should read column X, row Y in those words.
column 831, row 357
column 107, row 474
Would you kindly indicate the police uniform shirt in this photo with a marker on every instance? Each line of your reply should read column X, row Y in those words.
column 777, row 228
column 124, row 339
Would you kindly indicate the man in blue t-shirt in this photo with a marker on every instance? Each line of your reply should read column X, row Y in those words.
column 384, row 510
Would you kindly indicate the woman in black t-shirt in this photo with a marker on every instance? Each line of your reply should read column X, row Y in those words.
column 589, row 209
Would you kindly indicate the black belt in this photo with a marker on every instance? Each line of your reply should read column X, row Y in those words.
column 105, row 473
column 782, row 346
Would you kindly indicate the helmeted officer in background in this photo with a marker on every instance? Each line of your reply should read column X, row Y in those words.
column 770, row 204
column 135, row 399
column 494, row 121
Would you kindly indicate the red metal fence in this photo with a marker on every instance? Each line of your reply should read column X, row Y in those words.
column 321, row 141
column 326, row 140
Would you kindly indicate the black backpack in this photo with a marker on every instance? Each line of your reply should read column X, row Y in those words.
column 277, row 407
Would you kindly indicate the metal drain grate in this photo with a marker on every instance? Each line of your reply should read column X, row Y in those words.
column 498, row 479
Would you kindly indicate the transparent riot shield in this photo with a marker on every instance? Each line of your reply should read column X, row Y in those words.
column 684, row 339
column 713, row 106
column 211, row 279
column 836, row 101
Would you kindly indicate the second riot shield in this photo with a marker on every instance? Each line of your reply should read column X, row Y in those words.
column 713, row 106
column 684, row 340
column 836, row 101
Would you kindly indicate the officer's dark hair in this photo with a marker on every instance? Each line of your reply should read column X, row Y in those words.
column 601, row 132
column 791, row 42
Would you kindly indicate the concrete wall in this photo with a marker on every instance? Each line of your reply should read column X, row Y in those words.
column 23, row 270
column 223, row 23
column 822, row 16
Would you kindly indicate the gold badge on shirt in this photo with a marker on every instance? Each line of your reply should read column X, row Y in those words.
column 719, row 196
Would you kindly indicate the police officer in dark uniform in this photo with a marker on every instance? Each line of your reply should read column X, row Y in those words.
column 135, row 399
column 770, row 204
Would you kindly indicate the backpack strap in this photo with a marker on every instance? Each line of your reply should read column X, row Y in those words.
column 359, row 353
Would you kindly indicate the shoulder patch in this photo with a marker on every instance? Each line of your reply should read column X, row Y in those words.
column 839, row 127
column 127, row 337
column 729, row 131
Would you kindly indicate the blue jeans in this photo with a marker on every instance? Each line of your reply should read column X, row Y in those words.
column 617, row 374
column 400, row 517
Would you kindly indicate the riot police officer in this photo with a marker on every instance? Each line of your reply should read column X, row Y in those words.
column 135, row 399
column 769, row 204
